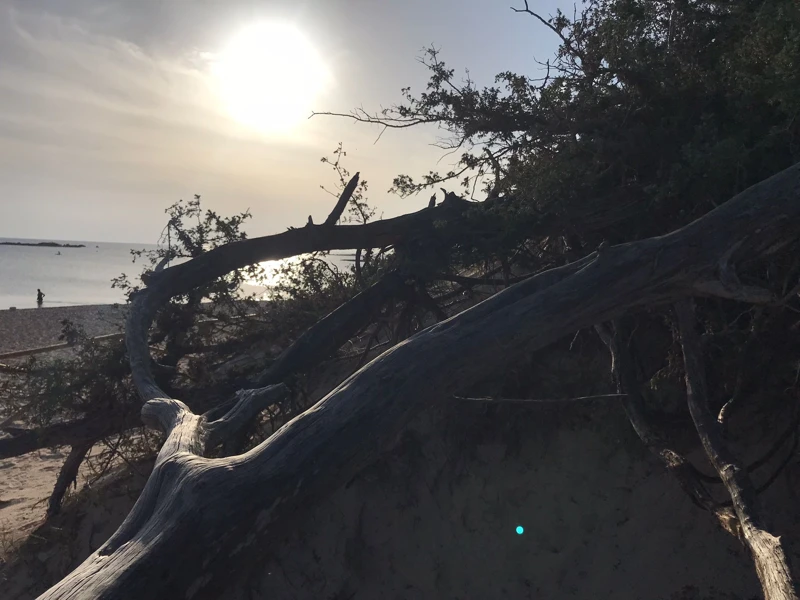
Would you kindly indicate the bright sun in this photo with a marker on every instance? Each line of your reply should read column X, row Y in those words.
column 269, row 76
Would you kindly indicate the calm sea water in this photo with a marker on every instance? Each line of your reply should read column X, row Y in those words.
column 75, row 276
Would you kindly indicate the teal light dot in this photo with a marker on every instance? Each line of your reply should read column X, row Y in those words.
column 520, row 530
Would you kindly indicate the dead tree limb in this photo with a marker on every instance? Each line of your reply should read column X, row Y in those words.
column 215, row 263
column 211, row 512
column 690, row 479
column 249, row 403
column 341, row 204
column 72, row 433
column 332, row 331
column 67, row 476
column 772, row 564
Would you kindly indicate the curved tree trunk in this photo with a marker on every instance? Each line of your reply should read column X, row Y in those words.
column 199, row 518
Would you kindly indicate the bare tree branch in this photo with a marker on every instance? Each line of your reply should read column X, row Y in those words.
column 742, row 293
column 689, row 478
column 566, row 41
column 67, row 476
column 338, row 210
column 250, row 404
column 771, row 562
column 71, row 433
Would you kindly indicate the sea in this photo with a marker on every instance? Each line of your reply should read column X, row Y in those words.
column 66, row 276
column 77, row 276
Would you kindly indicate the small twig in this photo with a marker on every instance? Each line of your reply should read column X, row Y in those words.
column 429, row 303
column 363, row 358
column 115, row 451
column 110, row 455
column 545, row 22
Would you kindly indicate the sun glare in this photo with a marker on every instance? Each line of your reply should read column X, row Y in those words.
column 268, row 77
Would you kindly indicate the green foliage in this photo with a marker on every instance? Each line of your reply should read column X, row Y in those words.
column 651, row 113
column 94, row 379
column 191, row 231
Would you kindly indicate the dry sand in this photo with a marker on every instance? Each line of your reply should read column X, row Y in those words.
column 29, row 328
column 25, row 485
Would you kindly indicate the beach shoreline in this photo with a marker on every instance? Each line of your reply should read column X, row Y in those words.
column 29, row 328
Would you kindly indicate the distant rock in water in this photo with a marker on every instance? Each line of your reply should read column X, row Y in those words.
column 43, row 244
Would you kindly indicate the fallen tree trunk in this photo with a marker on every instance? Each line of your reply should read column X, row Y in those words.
column 198, row 518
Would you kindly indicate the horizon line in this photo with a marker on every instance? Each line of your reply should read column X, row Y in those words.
column 26, row 239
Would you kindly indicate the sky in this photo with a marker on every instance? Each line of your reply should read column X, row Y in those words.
column 111, row 110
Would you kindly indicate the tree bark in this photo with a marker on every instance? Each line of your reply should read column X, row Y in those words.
column 198, row 518
column 67, row 475
column 71, row 433
column 772, row 565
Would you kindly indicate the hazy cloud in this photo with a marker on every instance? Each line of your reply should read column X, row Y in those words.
column 108, row 110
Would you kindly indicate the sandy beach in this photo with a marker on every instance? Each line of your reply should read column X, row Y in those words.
column 29, row 328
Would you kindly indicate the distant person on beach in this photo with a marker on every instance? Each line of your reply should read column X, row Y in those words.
column 39, row 297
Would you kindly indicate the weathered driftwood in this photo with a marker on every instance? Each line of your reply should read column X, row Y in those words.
column 771, row 562
column 198, row 518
